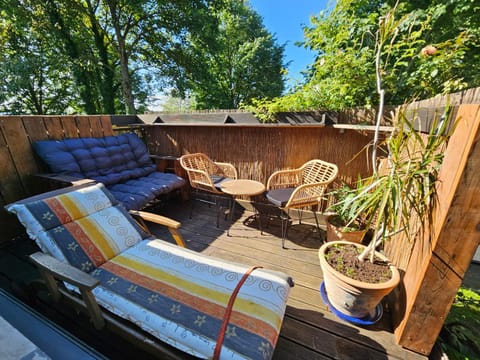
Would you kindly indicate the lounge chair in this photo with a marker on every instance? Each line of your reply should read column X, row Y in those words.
column 204, row 306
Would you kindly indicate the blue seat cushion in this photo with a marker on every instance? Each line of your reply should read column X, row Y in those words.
column 219, row 180
column 135, row 193
column 279, row 197
column 108, row 160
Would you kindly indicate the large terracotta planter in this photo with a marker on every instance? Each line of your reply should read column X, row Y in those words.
column 351, row 297
column 335, row 233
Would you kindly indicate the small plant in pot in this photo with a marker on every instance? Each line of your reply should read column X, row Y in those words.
column 340, row 224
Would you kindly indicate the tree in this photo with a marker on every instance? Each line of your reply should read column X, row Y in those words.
column 233, row 61
column 33, row 75
column 343, row 74
column 112, row 54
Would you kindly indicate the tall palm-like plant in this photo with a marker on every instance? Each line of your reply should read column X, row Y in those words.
column 405, row 190
column 400, row 196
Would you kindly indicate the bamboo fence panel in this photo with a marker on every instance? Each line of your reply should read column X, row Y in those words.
column 258, row 151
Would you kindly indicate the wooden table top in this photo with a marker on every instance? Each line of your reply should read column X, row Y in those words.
column 242, row 187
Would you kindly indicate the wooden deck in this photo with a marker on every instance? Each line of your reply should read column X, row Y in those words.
column 310, row 331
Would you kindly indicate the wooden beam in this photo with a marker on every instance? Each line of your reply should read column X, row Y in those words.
column 437, row 266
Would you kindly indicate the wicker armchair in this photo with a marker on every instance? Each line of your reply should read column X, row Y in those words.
column 300, row 188
column 206, row 175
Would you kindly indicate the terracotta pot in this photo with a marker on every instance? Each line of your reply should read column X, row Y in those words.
column 352, row 297
column 335, row 233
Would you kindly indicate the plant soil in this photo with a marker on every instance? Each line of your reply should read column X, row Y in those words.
column 344, row 259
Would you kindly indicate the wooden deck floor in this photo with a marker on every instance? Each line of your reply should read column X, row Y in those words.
column 310, row 331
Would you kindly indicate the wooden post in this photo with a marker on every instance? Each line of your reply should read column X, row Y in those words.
column 437, row 267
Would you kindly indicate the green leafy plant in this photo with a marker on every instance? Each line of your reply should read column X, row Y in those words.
column 342, row 215
column 399, row 197
column 460, row 335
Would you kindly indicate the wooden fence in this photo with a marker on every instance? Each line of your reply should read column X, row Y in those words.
column 424, row 110
column 438, row 264
column 18, row 163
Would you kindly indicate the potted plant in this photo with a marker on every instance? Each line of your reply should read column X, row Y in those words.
column 396, row 200
column 340, row 225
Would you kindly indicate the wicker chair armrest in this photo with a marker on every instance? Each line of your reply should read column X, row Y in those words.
column 171, row 224
column 284, row 178
column 199, row 179
column 307, row 194
column 228, row 169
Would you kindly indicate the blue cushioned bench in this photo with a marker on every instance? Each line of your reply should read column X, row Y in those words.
column 122, row 163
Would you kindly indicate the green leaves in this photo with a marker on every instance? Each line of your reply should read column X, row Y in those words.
column 109, row 56
column 460, row 334
column 243, row 62
column 401, row 196
column 344, row 38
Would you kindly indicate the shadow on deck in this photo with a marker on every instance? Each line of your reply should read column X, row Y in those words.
column 310, row 330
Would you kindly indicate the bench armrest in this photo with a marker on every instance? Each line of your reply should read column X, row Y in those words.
column 52, row 269
column 60, row 180
column 63, row 271
column 172, row 225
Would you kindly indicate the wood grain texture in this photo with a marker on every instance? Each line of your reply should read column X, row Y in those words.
column 437, row 267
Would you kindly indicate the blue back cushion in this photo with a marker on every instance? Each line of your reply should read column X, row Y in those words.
column 109, row 160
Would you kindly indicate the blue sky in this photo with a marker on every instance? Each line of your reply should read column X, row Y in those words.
column 285, row 19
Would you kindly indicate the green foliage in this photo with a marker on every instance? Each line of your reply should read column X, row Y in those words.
column 344, row 215
column 239, row 63
column 111, row 56
column 344, row 39
column 400, row 197
column 32, row 74
column 460, row 335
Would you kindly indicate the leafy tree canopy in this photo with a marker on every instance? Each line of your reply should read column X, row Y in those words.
column 111, row 56
column 435, row 50
column 237, row 61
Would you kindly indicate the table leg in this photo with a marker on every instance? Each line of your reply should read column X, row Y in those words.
column 232, row 210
